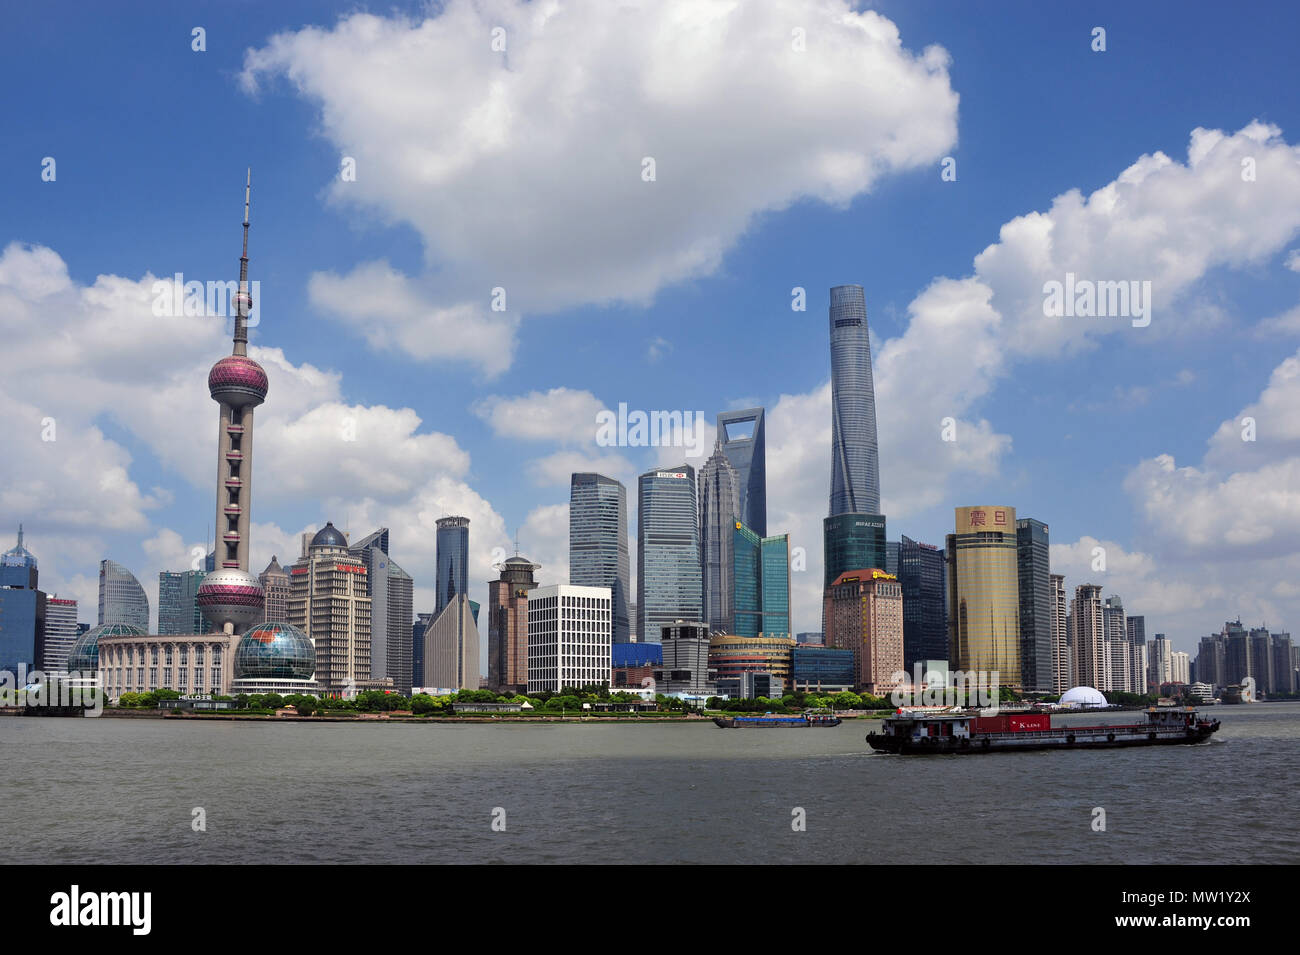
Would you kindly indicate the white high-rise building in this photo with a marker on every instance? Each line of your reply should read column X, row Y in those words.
column 1180, row 667
column 570, row 636
column 1061, row 657
column 60, row 633
column 1161, row 660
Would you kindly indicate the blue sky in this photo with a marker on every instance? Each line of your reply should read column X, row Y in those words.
column 151, row 140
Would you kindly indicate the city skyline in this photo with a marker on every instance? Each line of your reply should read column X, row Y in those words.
column 1174, row 504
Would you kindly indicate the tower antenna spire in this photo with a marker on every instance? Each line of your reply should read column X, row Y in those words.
column 243, row 300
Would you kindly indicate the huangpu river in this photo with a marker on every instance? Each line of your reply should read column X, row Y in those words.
column 136, row 791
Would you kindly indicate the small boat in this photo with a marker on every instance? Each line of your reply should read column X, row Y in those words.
column 958, row 732
column 770, row 721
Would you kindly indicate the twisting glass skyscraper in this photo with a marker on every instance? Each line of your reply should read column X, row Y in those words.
column 668, row 585
column 719, row 512
column 855, row 465
column 598, row 555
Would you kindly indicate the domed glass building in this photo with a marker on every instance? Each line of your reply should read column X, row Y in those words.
column 84, row 655
column 274, row 657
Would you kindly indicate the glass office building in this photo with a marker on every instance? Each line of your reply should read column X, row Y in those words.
column 598, row 553
column 743, row 441
column 984, row 594
column 925, row 611
column 719, row 511
column 121, row 598
column 855, row 465
column 1035, row 604
column 852, row 542
column 178, row 606
column 762, row 583
column 452, row 560
column 826, row 669
column 669, row 585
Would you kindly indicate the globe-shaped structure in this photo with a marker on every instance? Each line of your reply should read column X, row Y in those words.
column 274, row 651
column 1083, row 696
column 84, row 655
column 230, row 596
column 238, row 381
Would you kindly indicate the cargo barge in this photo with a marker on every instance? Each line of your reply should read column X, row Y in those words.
column 920, row 733
column 768, row 721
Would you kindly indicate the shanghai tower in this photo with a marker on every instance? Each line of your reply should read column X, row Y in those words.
column 853, row 535
column 855, row 465
column 230, row 597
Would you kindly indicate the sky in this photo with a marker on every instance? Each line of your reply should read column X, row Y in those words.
column 476, row 225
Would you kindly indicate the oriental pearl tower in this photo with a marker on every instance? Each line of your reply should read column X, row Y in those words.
column 230, row 597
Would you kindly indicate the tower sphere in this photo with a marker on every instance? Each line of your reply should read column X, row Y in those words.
column 238, row 381
column 231, row 596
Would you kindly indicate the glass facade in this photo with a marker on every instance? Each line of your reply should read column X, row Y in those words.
column 743, row 441
column 823, row 667
column 121, row 598
column 851, row 542
column 178, row 607
column 855, row 466
column 984, row 593
column 669, row 586
column 271, row 651
column 925, row 611
column 598, row 552
column 452, row 559
column 719, row 510
column 1035, row 604
column 762, row 583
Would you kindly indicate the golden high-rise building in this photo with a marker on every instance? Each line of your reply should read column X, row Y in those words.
column 984, row 594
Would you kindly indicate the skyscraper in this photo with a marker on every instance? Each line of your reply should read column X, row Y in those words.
column 452, row 560
column 22, row 609
column 451, row 647
column 230, row 597
column 330, row 603
column 121, row 598
column 852, row 542
column 925, row 615
column 761, row 581
column 1062, row 678
column 1088, row 636
column 864, row 613
column 742, row 439
column 719, row 514
column 598, row 555
column 984, row 594
column 1137, row 641
column 418, row 629
column 1118, row 656
column 508, row 622
column 390, row 590
column 178, row 607
column 1035, row 604
column 668, row 585
column 1159, row 667
column 855, row 466
column 274, row 581
column 61, row 632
